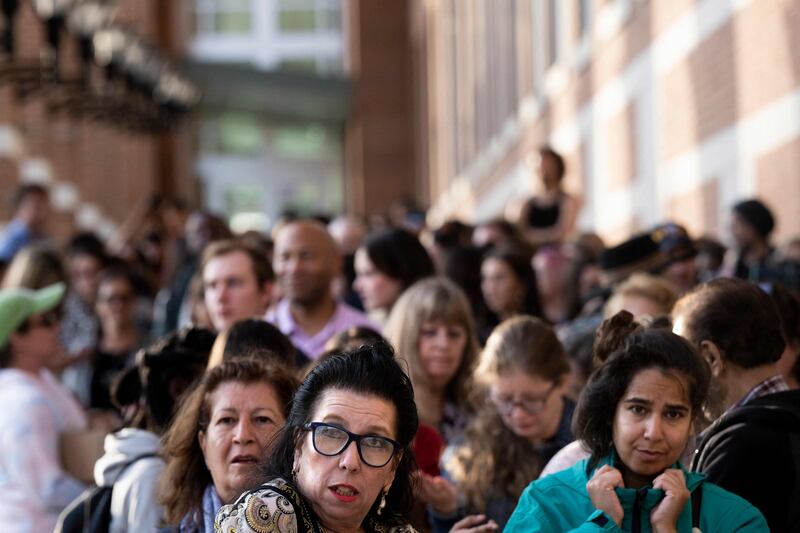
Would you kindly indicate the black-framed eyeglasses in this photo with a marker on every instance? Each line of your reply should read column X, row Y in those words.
column 529, row 405
column 330, row 440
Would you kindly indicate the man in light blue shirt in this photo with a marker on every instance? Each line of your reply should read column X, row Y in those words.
column 31, row 210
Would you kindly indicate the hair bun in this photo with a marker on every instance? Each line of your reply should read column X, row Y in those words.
column 612, row 333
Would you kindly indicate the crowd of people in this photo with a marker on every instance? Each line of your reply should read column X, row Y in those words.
column 336, row 375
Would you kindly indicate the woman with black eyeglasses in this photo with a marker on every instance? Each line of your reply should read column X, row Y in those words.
column 343, row 460
column 119, row 336
column 36, row 410
column 524, row 420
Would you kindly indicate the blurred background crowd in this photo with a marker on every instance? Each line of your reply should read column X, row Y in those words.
column 141, row 311
column 478, row 184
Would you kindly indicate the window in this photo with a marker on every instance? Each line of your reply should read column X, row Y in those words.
column 584, row 17
column 225, row 17
column 553, row 31
column 304, row 141
column 310, row 16
column 231, row 134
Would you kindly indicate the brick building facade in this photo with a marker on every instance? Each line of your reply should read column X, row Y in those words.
column 96, row 172
column 664, row 109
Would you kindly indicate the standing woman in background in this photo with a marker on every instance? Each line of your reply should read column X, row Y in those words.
column 431, row 327
column 550, row 215
column 524, row 419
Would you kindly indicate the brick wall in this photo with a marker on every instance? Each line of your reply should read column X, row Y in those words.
column 381, row 155
column 94, row 168
column 664, row 110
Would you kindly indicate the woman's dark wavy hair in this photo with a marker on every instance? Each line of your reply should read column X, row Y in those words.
column 370, row 370
column 398, row 254
column 627, row 348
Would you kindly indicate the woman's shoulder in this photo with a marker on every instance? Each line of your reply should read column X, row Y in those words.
column 565, row 458
column 572, row 479
column 274, row 506
column 729, row 511
column 557, row 502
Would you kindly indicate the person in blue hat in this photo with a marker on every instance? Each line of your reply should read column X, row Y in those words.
column 635, row 417
column 35, row 409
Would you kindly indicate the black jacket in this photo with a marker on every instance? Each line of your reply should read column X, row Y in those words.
column 754, row 451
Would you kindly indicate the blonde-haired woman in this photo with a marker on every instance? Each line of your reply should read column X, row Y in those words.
column 432, row 328
column 524, row 419
column 642, row 295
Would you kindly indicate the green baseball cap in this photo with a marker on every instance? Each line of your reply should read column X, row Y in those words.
column 17, row 304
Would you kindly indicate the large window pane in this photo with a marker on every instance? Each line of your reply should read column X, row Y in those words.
column 298, row 21
column 223, row 16
column 299, row 66
column 330, row 20
column 233, row 23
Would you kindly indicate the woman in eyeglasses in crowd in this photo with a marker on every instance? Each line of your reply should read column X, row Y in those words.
column 343, row 460
column 119, row 336
column 524, row 420
column 636, row 416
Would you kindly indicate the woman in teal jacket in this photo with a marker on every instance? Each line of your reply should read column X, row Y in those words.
column 636, row 416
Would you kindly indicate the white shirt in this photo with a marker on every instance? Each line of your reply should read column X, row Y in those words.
column 34, row 411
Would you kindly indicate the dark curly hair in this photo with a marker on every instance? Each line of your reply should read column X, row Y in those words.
column 371, row 370
column 627, row 348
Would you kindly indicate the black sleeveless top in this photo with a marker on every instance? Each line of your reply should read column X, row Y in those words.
column 543, row 217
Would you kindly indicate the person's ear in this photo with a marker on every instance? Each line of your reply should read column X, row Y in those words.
column 337, row 264
column 563, row 386
column 266, row 294
column 713, row 356
column 201, row 438
column 298, row 453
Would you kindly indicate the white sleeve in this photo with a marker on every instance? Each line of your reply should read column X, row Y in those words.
column 134, row 501
column 31, row 457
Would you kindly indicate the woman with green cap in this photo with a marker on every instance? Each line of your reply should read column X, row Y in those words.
column 34, row 410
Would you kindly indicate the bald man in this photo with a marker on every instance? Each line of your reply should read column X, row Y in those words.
column 306, row 261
